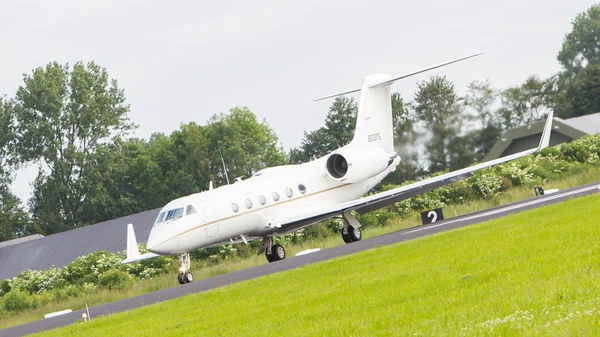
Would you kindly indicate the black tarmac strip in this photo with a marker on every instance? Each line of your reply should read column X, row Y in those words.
column 298, row 261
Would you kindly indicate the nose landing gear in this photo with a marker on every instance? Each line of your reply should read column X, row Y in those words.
column 185, row 276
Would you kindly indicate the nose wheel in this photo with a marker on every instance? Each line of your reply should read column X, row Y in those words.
column 185, row 276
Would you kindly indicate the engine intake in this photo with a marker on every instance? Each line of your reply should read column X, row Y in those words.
column 354, row 164
column 337, row 166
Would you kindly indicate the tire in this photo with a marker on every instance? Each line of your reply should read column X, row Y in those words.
column 188, row 277
column 269, row 256
column 180, row 279
column 278, row 252
column 345, row 237
column 354, row 234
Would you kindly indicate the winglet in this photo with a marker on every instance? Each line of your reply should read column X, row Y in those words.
column 133, row 253
column 545, row 141
column 132, row 246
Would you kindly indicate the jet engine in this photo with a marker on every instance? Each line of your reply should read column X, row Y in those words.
column 357, row 163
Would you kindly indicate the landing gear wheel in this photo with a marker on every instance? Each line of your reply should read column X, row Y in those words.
column 185, row 276
column 277, row 253
column 345, row 236
column 350, row 234
column 355, row 234
column 188, row 277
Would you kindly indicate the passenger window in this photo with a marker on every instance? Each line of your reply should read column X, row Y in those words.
column 234, row 207
column 275, row 196
column 302, row 188
column 262, row 200
column 288, row 192
column 190, row 210
column 248, row 203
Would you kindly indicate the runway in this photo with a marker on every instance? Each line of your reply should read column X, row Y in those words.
column 295, row 262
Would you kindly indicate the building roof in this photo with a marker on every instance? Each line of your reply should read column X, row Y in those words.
column 20, row 240
column 527, row 136
column 589, row 124
column 60, row 249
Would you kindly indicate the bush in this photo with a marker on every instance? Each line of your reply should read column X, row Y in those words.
column 18, row 301
column 4, row 288
column 115, row 279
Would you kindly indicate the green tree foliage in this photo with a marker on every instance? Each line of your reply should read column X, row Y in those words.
column 404, row 138
column 581, row 46
column 436, row 106
column 583, row 94
column 337, row 132
column 14, row 221
column 526, row 103
column 480, row 99
column 246, row 144
column 64, row 114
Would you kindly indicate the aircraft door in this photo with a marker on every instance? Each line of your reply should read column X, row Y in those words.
column 212, row 222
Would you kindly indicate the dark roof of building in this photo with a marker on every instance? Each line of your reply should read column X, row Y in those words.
column 562, row 130
column 20, row 240
column 60, row 249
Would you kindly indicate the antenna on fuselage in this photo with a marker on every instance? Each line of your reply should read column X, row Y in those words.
column 223, row 161
column 210, row 186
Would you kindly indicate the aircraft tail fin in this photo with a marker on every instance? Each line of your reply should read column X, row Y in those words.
column 374, row 119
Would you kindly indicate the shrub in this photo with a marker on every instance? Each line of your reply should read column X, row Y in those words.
column 115, row 279
column 4, row 287
column 17, row 301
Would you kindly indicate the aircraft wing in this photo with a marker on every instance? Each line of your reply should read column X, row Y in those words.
column 379, row 200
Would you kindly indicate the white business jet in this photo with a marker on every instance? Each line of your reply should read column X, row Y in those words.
column 279, row 200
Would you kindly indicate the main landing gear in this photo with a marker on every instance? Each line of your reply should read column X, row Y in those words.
column 273, row 252
column 351, row 231
column 185, row 276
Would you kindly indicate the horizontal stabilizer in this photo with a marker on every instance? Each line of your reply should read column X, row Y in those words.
column 139, row 258
column 389, row 81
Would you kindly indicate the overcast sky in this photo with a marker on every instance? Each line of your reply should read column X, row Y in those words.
column 182, row 61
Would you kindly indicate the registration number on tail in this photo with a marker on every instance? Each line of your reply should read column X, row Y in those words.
column 374, row 137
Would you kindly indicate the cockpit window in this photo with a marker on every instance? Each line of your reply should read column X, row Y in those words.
column 174, row 214
column 190, row 210
column 160, row 218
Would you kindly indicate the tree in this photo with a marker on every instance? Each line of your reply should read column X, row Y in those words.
column 526, row 103
column 337, row 132
column 583, row 94
column 64, row 114
column 14, row 221
column 581, row 46
column 404, row 138
column 480, row 98
column 436, row 105
column 246, row 144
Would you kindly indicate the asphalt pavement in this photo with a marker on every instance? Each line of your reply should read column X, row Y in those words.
column 298, row 261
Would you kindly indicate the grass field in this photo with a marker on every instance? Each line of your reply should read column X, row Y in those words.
column 536, row 273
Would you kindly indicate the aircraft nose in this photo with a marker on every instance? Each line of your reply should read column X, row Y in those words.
column 152, row 240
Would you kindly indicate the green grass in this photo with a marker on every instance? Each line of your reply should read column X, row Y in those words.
column 202, row 271
column 536, row 273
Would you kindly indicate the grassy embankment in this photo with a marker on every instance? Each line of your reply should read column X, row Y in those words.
column 536, row 273
column 204, row 271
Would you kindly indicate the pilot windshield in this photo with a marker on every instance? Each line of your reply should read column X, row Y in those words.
column 174, row 214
